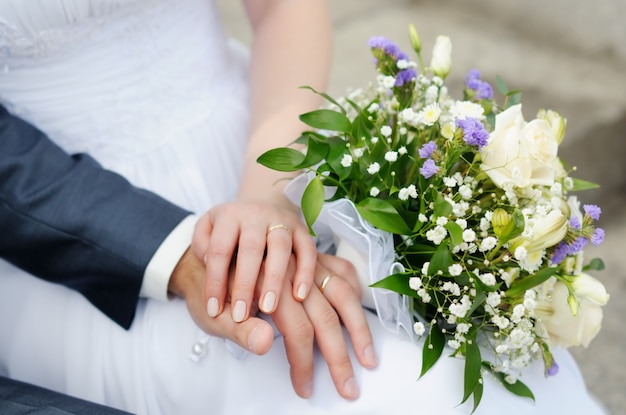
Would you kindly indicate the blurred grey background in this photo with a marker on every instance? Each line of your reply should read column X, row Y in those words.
column 566, row 55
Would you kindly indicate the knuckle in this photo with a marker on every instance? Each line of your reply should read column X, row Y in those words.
column 303, row 331
column 329, row 319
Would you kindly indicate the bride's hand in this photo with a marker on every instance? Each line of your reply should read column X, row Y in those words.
column 250, row 233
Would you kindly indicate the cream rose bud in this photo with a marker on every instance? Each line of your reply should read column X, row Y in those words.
column 589, row 288
column 557, row 123
column 562, row 327
column 441, row 61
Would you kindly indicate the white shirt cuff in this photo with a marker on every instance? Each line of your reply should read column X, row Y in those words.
column 159, row 270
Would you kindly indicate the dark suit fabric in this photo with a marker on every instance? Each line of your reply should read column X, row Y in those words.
column 18, row 398
column 67, row 220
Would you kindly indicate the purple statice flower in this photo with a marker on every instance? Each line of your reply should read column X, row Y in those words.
column 574, row 222
column 598, row 237
column 483, row 89
column 474, row 132
column 578, row 245
column 560, row 252
column 593, row 211
column 405, row 76
column 553, row 370
column 427, row 149
column 429, row 169
column 391, row 49
column 471, row 79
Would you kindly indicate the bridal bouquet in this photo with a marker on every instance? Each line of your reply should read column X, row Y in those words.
column 486, row 234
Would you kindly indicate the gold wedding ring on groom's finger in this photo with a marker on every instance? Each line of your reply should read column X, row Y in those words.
column 325, row 281
column 279, row 226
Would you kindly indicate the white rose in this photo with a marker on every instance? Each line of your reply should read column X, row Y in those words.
column 519, row 152
column 542, row 148
column 562, row 327
column 505, row 158
column 441, row 61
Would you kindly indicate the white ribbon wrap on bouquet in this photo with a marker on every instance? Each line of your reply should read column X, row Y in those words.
column 340, row 223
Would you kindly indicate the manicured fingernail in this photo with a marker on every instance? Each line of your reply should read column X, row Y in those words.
column 268, row 302
column 307, row 390
column 239, row 311
column 301, row 291
column 350, row 389
column 370, row 356
column 213, row 307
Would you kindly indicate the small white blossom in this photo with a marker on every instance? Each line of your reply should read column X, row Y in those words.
column 488, row 279
column 419, row 328
column 402, row 64
column 467, row 109
column 385, row 131
column 465, row 192
column 462, row 328
column 388, row 82
column 449, row 182
column 488, row 244
column 455, row 270
column 436, row 235
column 346, row 160
column 373, row 107
column 406, row 192
column 454, row 344
column 461, row 309
column 391, row 156
column 415, row 283
column 469, row 235
column 374, row 191
column 422, row 218
column 425, row 268
column 452, row 287
column 374, row 140
column 358, row 152
column 373, row 168
column 430, row 114
column 448, row 130
column 402, row 150
column 493, row 299
column 462, row 224
column 520, row 253
column 423, row 294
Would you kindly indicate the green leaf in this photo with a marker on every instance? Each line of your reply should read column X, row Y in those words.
column 325, row 96
column 456, row 233
column 312, row 202
column 282, row 159
column 473, row 362
column 583, row 185
column 441, row 260
column 433, row 347
column 501, row 85
column 316, row 151
column 595, row 264
column 382, row 215
column 442, row 207
column 513, row 98
column 397, row 283
column 518, row 388
column 520, row 286
column 325, row 119
column 478, row 395
column 337, row 151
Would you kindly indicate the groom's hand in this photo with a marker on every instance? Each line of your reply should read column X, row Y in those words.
column 188, row 281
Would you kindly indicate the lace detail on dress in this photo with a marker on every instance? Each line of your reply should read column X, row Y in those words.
column 32, row 29
column 154, row 67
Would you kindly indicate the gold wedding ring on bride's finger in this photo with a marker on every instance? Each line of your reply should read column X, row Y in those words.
column 325, row 281
column 279, row 226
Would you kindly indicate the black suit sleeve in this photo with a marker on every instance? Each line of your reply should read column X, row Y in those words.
column 67, row 220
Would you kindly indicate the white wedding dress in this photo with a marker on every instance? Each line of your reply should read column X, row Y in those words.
column 155, row 91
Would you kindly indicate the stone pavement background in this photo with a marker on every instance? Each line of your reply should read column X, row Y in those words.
column 566, row 55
